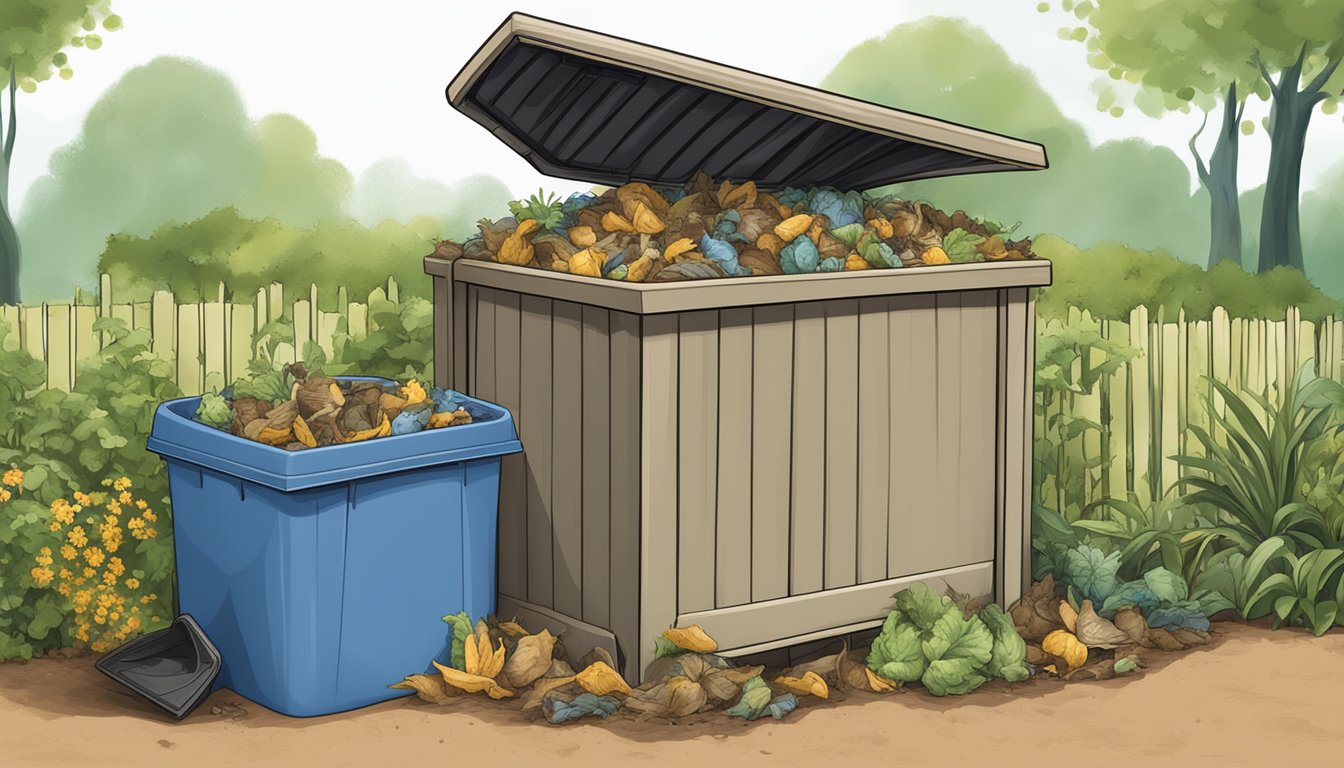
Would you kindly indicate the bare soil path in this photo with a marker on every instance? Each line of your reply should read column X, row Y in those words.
column 1254, row 697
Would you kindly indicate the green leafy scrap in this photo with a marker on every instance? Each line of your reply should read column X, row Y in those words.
column 896, row 653
column 1008, row 659
column 545, row 208
column 960, row 246
column 462, row 629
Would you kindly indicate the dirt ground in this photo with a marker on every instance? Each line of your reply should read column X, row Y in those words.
column 1251, row 698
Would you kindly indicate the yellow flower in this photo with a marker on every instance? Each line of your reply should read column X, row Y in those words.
column 62, row 511
column 13, row 477
column 94, row 556
column 125, row 497
column 63, row 589
column 54, row 527
column 132, row 583
column 41, row 576
column 4, row 495
column 106, row 483
column 68, row 552
column 77, row 536
column 66, row 575
column 141, row 504
column 149, row 515
column 83, row 498
column 89, row 572
column 116, row 566
column 121, row 483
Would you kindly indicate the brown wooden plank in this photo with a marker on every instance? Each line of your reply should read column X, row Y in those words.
column 596, row 471
column 771, row 450
column 875, row 394
column 901, row 447
column 842, row 437
column 921, row 530
column 732, row 577
column 808, row 467
column 697, row 459
column 979, row 358
column 625, row 488
column 658, row 483
column 535, row 385
column 443, row 331
column 484, row 342
column 944, row 546
column 513, row 469
column 567, row 457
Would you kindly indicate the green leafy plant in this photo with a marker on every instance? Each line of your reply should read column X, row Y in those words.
column 1162, row 595
column 1166, row 532
column 930, row 639
column 959, row 245
column 1254, row 477
column 398, row 344
column 545, row 208
column 1306, row 591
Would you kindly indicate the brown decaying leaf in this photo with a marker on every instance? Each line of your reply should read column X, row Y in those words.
column 601, row 680
column 1096, row 632
column 544, row 686
column 1191, row 637
column 1164, row 640
column 430, row 688
column 1036, row 614
column 677, row 697
column 303, row 434
column 598, row 653
column 530, row 660
column 1068, row 616
column 1130, row 621
column 559, row 668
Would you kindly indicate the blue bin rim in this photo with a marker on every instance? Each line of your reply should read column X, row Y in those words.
column 177, row 435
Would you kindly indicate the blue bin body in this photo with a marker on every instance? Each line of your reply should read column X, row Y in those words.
column 322, row 575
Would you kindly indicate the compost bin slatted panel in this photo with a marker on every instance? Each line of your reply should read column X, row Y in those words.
column 840, row 360
column 977, row 348
column 733, row 560
column 513, row 470
column 567, row 457
column 697, row 457
column 626, row 401
column 771, row 452
column 874, row 396
column 808, row 473
column 534, row 428
column 596, row 457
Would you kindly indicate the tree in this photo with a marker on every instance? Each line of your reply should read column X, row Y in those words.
column 1178, row 54
column 390, row 189
column 1303, row 44
column 34, row 35
column 168, row 142
column 1129, row 191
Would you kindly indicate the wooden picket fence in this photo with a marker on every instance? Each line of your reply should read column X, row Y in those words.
column 209, row 342
column 1144, row 407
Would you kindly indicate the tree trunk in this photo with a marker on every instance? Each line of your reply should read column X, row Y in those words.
column 9, row 237
column 1280, row 231
column 1289, row 117
column 1220, row 179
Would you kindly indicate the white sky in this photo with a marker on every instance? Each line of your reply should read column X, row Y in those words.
column 369, row 77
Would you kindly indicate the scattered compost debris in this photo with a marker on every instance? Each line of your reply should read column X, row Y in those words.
column 948, row 644
column 706, row 229
column 294, row 408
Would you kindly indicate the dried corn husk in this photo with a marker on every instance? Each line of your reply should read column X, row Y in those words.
column 792, row 227
column 587, row 262
column 935, row 255
column 516, row 249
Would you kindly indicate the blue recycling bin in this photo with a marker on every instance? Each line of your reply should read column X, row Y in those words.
column 322, row 575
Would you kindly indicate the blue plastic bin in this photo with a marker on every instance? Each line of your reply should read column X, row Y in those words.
column 322, row 575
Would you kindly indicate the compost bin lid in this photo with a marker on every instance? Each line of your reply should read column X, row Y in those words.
column 599, row 108
column 174, row 668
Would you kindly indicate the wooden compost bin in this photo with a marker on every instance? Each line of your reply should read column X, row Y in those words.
column 768, row 457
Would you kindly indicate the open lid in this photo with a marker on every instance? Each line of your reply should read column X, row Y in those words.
column 582, row 105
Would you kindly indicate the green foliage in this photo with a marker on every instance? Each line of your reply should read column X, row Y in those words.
column 35, row 36
column 1110, row 280
column 71, row 441
column 398, row 344
column 960, row 245
column 545, row 208
column 462, row 629
column 214, row 411
column 1164, row 532
column 1305, row 590
column 1254, row 476
column 1129, row 191
column 248, row 254
column 931, row 639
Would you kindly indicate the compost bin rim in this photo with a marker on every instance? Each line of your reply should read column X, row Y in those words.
column 717, row 293
column 1009, row 153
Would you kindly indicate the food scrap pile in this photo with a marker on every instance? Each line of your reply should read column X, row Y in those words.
column 948, row 644
column 294, row 408
column 704, row 229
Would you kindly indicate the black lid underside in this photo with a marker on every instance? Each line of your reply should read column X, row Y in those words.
column 659, row 117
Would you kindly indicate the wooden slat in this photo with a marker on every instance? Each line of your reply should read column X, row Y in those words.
column 947, row 404
column 125, row 313
column 213, row 349
column 625, row 488
column 141, row 316
column 732, row 576
column 697, row 460
column 1170, row 391
column 976, row 455
column 60, row 373
column 535, row 426
column 1140, row 402
column 902, row 449
column 327, row 323
column 242, row 323
column 85, row 342
column 275, row 304
column 189, row 348
column 1117, row 412
column 658, row 486
column 874, row 398
column 842, row 437
column 104, row 304
column 807, row 520
column 32, row 331
column 357, row 325
column 771, row 402
column 596, row 467
column 163, row 325
column 483, row 368
column 914, row 418
column 475, row 353
column 513, row 484
column 567, row 457
column 9, row 316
